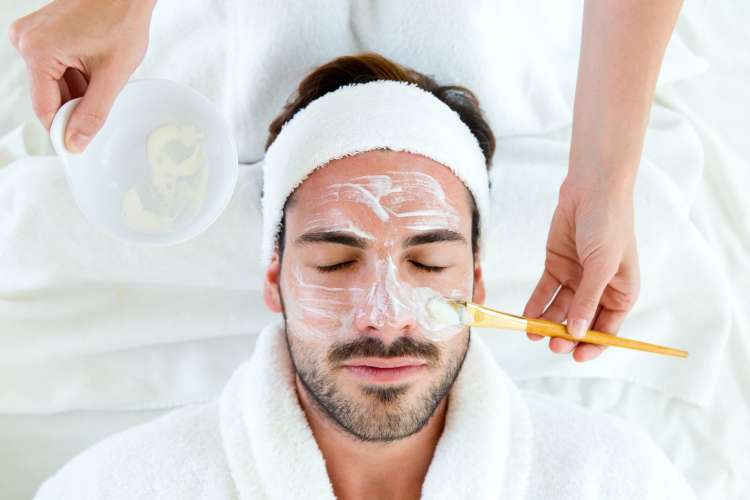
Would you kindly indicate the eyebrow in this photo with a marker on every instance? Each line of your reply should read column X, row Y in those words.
column 346, row 238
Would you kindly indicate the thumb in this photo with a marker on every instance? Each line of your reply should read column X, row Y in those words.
column 586, row 299
column 89, row 115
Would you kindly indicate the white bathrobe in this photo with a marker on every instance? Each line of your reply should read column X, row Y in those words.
column 254, row 442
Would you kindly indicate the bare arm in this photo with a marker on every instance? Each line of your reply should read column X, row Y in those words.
column 591, row 274
column 622, row 48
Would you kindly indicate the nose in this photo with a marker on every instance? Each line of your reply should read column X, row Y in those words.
column 387, row 309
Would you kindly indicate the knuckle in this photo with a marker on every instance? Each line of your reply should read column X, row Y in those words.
column 588, row 304
column 14, row 32
column 42, row 111
column 571, row 282
column 605, row 266
column 534, row 304
column 626, row 300
column 29, row 43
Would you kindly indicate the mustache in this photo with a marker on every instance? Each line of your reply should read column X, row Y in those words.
column 373, row 347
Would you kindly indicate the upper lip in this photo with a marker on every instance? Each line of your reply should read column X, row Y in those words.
column 385, row 362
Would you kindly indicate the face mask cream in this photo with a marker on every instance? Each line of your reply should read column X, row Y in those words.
column 178, row 184
column 381, row 292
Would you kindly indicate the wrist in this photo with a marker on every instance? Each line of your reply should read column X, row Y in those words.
column 614, row 178
column 614, row 184
column 138, row 8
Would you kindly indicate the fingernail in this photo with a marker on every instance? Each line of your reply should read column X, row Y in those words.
column 578, row 328
column 77, row 142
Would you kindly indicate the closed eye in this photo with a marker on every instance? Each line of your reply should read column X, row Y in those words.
column 335, row 267
column 429, row 269
column 343, row 265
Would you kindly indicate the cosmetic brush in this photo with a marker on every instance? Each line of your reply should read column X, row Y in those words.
column 475, row 315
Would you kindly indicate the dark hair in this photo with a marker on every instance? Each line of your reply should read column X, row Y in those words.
column 370, row 66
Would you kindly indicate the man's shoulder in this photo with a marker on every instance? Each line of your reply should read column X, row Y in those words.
column 178, row 451
column 606, row 452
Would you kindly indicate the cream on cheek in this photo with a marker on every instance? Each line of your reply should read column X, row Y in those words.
column 318, row 311
column 406, row 202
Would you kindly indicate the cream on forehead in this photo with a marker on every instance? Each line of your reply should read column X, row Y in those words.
column 335, row 220
column 388, row 195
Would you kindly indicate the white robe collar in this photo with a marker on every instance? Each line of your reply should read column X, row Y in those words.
column 484, row 451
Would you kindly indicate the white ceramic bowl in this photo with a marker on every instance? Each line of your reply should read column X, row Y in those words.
column 116, row 162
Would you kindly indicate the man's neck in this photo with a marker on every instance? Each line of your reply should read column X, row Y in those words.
column 372, row 470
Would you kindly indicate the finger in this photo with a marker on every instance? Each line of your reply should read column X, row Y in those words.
column 14, row 33
column 587, row 297
column 45, row 96
column 599, row 309
column 543, row 292
column 541, row 296
column 556, row 312
column 622, row 291
column 610, row 321
column 558, row 308
column 565, row 346
column 91, row 112
column 561, row 346
column 605, row 321
column 587, row 352
column 64, row 91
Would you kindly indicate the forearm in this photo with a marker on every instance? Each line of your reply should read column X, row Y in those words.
column 138, row 8
column 622, row 47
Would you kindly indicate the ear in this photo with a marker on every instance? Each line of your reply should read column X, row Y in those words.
column 479, row 291
column 271, row 290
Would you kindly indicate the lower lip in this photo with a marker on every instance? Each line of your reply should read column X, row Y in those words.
column 373, row 374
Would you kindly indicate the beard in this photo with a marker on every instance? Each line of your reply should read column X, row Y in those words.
column 382, row 413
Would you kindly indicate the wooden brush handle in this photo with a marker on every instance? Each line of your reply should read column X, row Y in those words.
column 552, row 329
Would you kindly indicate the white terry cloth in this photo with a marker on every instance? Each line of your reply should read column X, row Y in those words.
column 362, row 117
column 519, row 58
column 117, row 326
column 247, row 56
column 254, row 442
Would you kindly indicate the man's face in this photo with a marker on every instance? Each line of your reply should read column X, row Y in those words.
column 368, row 240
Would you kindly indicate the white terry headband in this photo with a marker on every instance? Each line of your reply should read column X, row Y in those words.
column 361, row 117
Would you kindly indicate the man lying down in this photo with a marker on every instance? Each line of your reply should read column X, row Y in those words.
column 375, row 198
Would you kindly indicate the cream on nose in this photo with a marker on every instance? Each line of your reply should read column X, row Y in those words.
column 388, row 305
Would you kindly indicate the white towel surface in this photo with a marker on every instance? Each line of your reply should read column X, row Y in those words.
column 518, row 57
column 119, row 326
column 254, row 442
